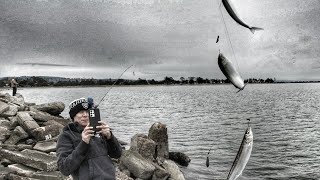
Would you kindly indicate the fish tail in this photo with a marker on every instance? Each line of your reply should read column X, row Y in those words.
column 241, row 88
column 254, row 29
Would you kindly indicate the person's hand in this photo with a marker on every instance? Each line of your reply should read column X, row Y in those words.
column 104, row 129
column 87, row 133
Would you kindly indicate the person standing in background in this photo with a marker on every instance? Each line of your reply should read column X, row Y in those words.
column 14, row 85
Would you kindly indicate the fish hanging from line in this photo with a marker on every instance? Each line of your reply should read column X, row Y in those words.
column 217, row 39
column 230, row 7
column 230, row 72
column 207, row 161
column 243, row 155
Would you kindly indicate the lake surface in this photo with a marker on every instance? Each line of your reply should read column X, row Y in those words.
column 284, row 121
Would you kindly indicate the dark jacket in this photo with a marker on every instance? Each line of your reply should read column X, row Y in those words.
column 86, row 161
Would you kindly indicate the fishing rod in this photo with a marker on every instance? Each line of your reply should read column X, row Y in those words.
column 94, row 112
column 113, row 85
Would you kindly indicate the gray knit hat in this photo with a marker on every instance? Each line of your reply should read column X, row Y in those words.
column 77, row 106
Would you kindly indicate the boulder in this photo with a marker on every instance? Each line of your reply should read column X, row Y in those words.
column 173, row 170
column 22, row 170
column 32, row 158
column 54, row 175
column 12, row 176
column 45, row 146
column 4, row 134
column 5, row 123
column 12, row 111
column 179, row 158
column 13, row 122
column 144, row 146
column 158, row 133
column 54, row 108
column 18, row 147
column 17, row 134
column 4, row 172
column 137, row 165
column 3, row 107
column 160, row 173
column 27, row 122
column 46, row 132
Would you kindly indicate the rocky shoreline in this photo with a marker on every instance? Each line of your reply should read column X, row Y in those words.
column 28, row 138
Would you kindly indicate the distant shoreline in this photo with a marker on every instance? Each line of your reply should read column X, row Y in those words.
column 154, row 85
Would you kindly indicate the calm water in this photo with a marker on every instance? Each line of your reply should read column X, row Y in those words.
column 284, row 120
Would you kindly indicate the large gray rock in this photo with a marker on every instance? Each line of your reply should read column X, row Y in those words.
column 160, row 173
column 12, row 176
column 173, row 170
column 5, row 123
column 144, row 146
column 46, row 132
column 4, row 134
column 17, row 100
column 41, row 116
column 13, row 122
column 179, row 158
column 54, row 108
column 4, row 172
column 17, row 134
column 158, row 133
column 137, row 165
column 32, row 158
column 22, row 169
column 12, row 111
column 45, row 146
column 18, row 147
column 3, row 107
column 27, row 122
column 54, row 175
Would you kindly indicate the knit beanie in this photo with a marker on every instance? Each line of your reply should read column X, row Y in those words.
column 77, row 106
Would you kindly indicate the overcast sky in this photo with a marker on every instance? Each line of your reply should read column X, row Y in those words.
column 101, row 38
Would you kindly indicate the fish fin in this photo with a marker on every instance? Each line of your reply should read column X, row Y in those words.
column 254, row 29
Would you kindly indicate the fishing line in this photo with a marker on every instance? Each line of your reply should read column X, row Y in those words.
column 227, row 34
column 114, row 84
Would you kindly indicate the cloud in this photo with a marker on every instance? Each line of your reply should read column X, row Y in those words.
column 174, row 38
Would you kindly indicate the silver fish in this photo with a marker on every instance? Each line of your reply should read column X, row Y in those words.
column 243, row 155
column 230, row 72
column 235, row 15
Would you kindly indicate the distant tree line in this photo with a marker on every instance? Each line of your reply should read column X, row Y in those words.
column 35, row 81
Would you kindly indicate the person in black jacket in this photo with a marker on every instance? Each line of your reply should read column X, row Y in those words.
column 81, row 153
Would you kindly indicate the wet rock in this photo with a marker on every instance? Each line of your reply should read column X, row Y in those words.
column 27, row 122
column 179, row 158
column 17, row 134
column 45, row 146
column 22, row 170
column 158, row 133
column 137, row 165
column 54, row 108
column 144, row 146
column 32, row 158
